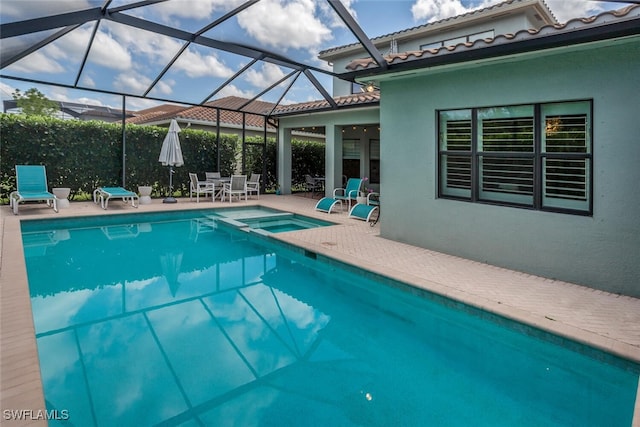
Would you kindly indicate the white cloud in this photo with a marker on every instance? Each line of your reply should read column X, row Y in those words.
column 283, row 24
column 34, row 63
column 88, row 81
column 63, row 95
column 145, row 47
column 165, row 87
column 169, row 11
column 434, row 10
column 131, row 82
column 333, row 19
column 194, row 64
column 265, row 77
column 233, row 90
column 140, row 103
column 20, row 10
column 568, row 9
column 106, row 51
column 153, row 47
column 6, row 91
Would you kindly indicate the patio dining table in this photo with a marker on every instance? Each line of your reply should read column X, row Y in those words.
column 218, row 185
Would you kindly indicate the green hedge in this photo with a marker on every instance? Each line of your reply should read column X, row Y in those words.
column 83, row 155
column 307, row 157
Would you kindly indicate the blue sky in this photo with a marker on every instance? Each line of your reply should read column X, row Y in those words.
column 128, row 60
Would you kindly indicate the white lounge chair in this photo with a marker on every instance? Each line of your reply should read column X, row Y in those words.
column 350, row 193
column 366, row 211
column 104, row 194
column 327, row 204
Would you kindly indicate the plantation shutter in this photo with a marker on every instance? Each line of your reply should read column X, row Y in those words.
column 506, row 154
column 351, row 149
column 566, row 151
column 455, row 149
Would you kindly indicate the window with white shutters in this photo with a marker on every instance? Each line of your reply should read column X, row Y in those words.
column 536, row 156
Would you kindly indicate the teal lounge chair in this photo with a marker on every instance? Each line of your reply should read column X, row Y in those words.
column 31, row 185
column 327, row 204
column 104, row 194
column 349, row 193
column 365, row 211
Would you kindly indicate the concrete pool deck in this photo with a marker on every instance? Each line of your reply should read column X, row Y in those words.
column 600, row 319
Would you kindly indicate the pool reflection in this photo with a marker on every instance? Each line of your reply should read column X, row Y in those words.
column 156, row 342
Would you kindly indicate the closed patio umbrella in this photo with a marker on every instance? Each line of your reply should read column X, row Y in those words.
column 171, row 155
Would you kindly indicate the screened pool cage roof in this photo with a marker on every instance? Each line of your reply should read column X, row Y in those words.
column 179, row 51
column 186, row 52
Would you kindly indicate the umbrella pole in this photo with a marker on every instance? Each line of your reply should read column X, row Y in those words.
column 170, row 198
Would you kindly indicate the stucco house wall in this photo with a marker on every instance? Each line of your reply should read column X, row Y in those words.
column 601, row 251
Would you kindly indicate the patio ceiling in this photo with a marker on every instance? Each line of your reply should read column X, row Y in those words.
column 165, row 51
column 186, row 60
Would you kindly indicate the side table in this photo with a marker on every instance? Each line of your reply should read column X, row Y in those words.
column 62, row 194
column 145, row 194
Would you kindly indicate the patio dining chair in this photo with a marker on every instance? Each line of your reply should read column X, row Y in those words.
column 236, row 187
column 312, row 185
column 211, row 176
column 200, row 187
column 253, row 184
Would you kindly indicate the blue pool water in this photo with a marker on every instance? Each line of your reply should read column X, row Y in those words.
column 264, row 219
column 158, row 319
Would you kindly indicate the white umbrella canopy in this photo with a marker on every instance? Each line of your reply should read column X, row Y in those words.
column 171, row 155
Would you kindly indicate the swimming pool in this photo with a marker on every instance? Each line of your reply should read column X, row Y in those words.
column 147, row 319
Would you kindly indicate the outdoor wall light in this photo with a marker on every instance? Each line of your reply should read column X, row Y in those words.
column 369, row 87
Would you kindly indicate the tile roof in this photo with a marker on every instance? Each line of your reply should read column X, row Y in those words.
column 631, row 12
column 452, row 19
column 354, row 100
column 160, row 112
column 208, row 113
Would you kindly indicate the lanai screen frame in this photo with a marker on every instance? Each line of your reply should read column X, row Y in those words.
column 64, row 23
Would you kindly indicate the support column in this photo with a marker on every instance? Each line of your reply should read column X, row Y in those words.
column 284, row 160
column 333, row 159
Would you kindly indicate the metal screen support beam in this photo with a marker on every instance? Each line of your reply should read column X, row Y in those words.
column 321, row 89
column 124, row 143
column 264, row 157
column 6, row 62
column 359, row 33
column 218, row 140
column 244, row 141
